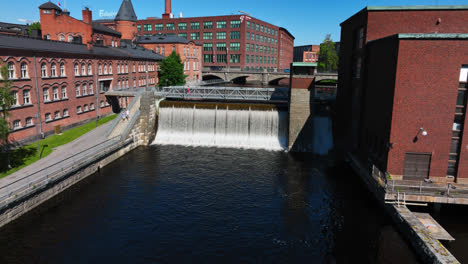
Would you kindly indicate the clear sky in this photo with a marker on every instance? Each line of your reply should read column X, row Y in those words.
column 308, row 20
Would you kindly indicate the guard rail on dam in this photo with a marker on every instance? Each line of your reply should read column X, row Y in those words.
column 223, row 93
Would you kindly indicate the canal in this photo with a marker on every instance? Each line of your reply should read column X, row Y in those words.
column 176, row 204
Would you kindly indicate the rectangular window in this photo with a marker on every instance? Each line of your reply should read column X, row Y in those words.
column 252, row 36
column 257, row 37
column 221, row 58
column 257, row 27
column 208, row 25
column 248, row 35
column 235, row 34
column 158, row 27
column 55, row 92
column 45, row 94
column 26, row 97
column 207, row 46
column 261, row 28
column 247, row 47
column 147, row 27
column 195, row 35
column 256, row 48
column 235, row 24
column 207, row 35
column 195, row 25
column 247, row 59
column 170, row 26
column 138, row 28
column 182, row 26
column 208, row 58
column 220, row 24
column 252, row 47
column 64, row 92
column 235, row 58
column 220, row 35
column 77, row 89
column 261, row 38
column 220, row 46
column 183, row 35
column 235, row 46
column 15, row 97
column 248, row 24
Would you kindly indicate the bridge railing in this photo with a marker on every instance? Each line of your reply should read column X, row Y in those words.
column 224, row 93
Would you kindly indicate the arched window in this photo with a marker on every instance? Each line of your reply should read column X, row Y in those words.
column 83, row 69
column 55, row 93
column 90, row 70
column 77, row 89
column 16, row 124
column 29, row 121
column 100, row 69
column 64, row 92
column 62, row 38
column 62, row 69
column 77, row 70
column 118, row 68
column 57, row 115
column 53, row 70
column 105, row 69
column 43, row 70
column 15, row 97
column 70, row 38
column 11, row 71
column 85, row 107
column 91, row 106
column 65, row 112
column 24, row 70
column 47, row 37
column 78, row 109
column 110, row 69
column 26, row 97
column 91, row 91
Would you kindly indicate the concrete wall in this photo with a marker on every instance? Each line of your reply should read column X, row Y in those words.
column 301, row 115
column 28, row 204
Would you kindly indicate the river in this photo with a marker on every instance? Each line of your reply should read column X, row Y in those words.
column 176, row 204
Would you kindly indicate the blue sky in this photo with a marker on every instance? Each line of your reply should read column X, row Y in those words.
column 308, row 20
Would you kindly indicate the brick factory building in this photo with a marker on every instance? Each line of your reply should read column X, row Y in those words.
column 401, row 102
column 190, row 52
column 57, row 83
column 306, row 53
column 233, row 41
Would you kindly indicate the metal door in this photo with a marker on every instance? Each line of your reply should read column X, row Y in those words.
column 417, row 166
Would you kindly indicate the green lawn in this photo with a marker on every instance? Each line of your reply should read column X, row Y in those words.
column 24, row 156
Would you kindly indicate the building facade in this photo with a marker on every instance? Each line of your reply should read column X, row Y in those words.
column 401, row 94
column 190, row 52
column 306, row 53
column 58, row 25
column 235, row 41
column 62, row 84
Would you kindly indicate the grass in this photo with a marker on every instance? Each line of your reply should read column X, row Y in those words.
column 26, row 155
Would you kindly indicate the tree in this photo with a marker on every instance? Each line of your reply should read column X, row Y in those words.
column 172, row 71
column 35, row 25
column 6, row 101
column 328, row 59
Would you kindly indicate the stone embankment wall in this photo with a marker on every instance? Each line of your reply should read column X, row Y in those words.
column 141, row 132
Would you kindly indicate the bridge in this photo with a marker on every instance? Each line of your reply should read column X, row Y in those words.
column 231, row 75
column 224, row 93
column 264, row 77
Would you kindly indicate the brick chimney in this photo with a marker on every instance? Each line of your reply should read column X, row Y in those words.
column 87, row 16
column 168, row 10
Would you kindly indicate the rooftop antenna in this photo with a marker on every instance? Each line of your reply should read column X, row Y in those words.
column 245, row 13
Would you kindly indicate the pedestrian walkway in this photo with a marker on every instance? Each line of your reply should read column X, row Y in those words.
column 66, row 154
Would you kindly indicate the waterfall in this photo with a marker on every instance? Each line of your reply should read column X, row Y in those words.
column 247, row 128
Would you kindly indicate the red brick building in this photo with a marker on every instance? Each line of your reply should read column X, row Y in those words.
column 402, row 90
column 306, row 53
column 190, row 52
column 57, row 24
column 58, row 83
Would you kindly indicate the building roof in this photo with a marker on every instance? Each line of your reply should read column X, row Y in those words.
column 424, row 36
column 35, row 46
column 126, row 12
column 289, row 33
column 421, row 7
column 104, row 20
column 50, row 5
column 103, row 29
column 162, row 39
column 12, row 27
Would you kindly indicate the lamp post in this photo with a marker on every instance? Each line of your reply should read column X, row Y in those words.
column 227, row 58
column 421, row 131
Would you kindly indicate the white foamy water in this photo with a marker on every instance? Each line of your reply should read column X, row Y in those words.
column 251, row 129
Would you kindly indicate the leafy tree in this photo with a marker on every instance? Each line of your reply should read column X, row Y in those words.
column 35, row 25
column 172, row 71
column 6, row 101
column 328, row 59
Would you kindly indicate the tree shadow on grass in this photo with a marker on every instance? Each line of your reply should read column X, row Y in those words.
column 17, row 157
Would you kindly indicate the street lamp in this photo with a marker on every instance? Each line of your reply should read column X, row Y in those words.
column 421, row 131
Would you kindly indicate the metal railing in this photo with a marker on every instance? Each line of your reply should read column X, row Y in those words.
column 224, row 93
column 119, row 118
column 29, row 184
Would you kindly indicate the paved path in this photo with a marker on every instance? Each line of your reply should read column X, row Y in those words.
column 93, row 138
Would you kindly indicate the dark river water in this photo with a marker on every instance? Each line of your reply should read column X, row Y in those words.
column 173, row 204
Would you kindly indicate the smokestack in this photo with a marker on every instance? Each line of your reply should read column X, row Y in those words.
column 168, row 10
column 168, row 7
column 87, row 16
